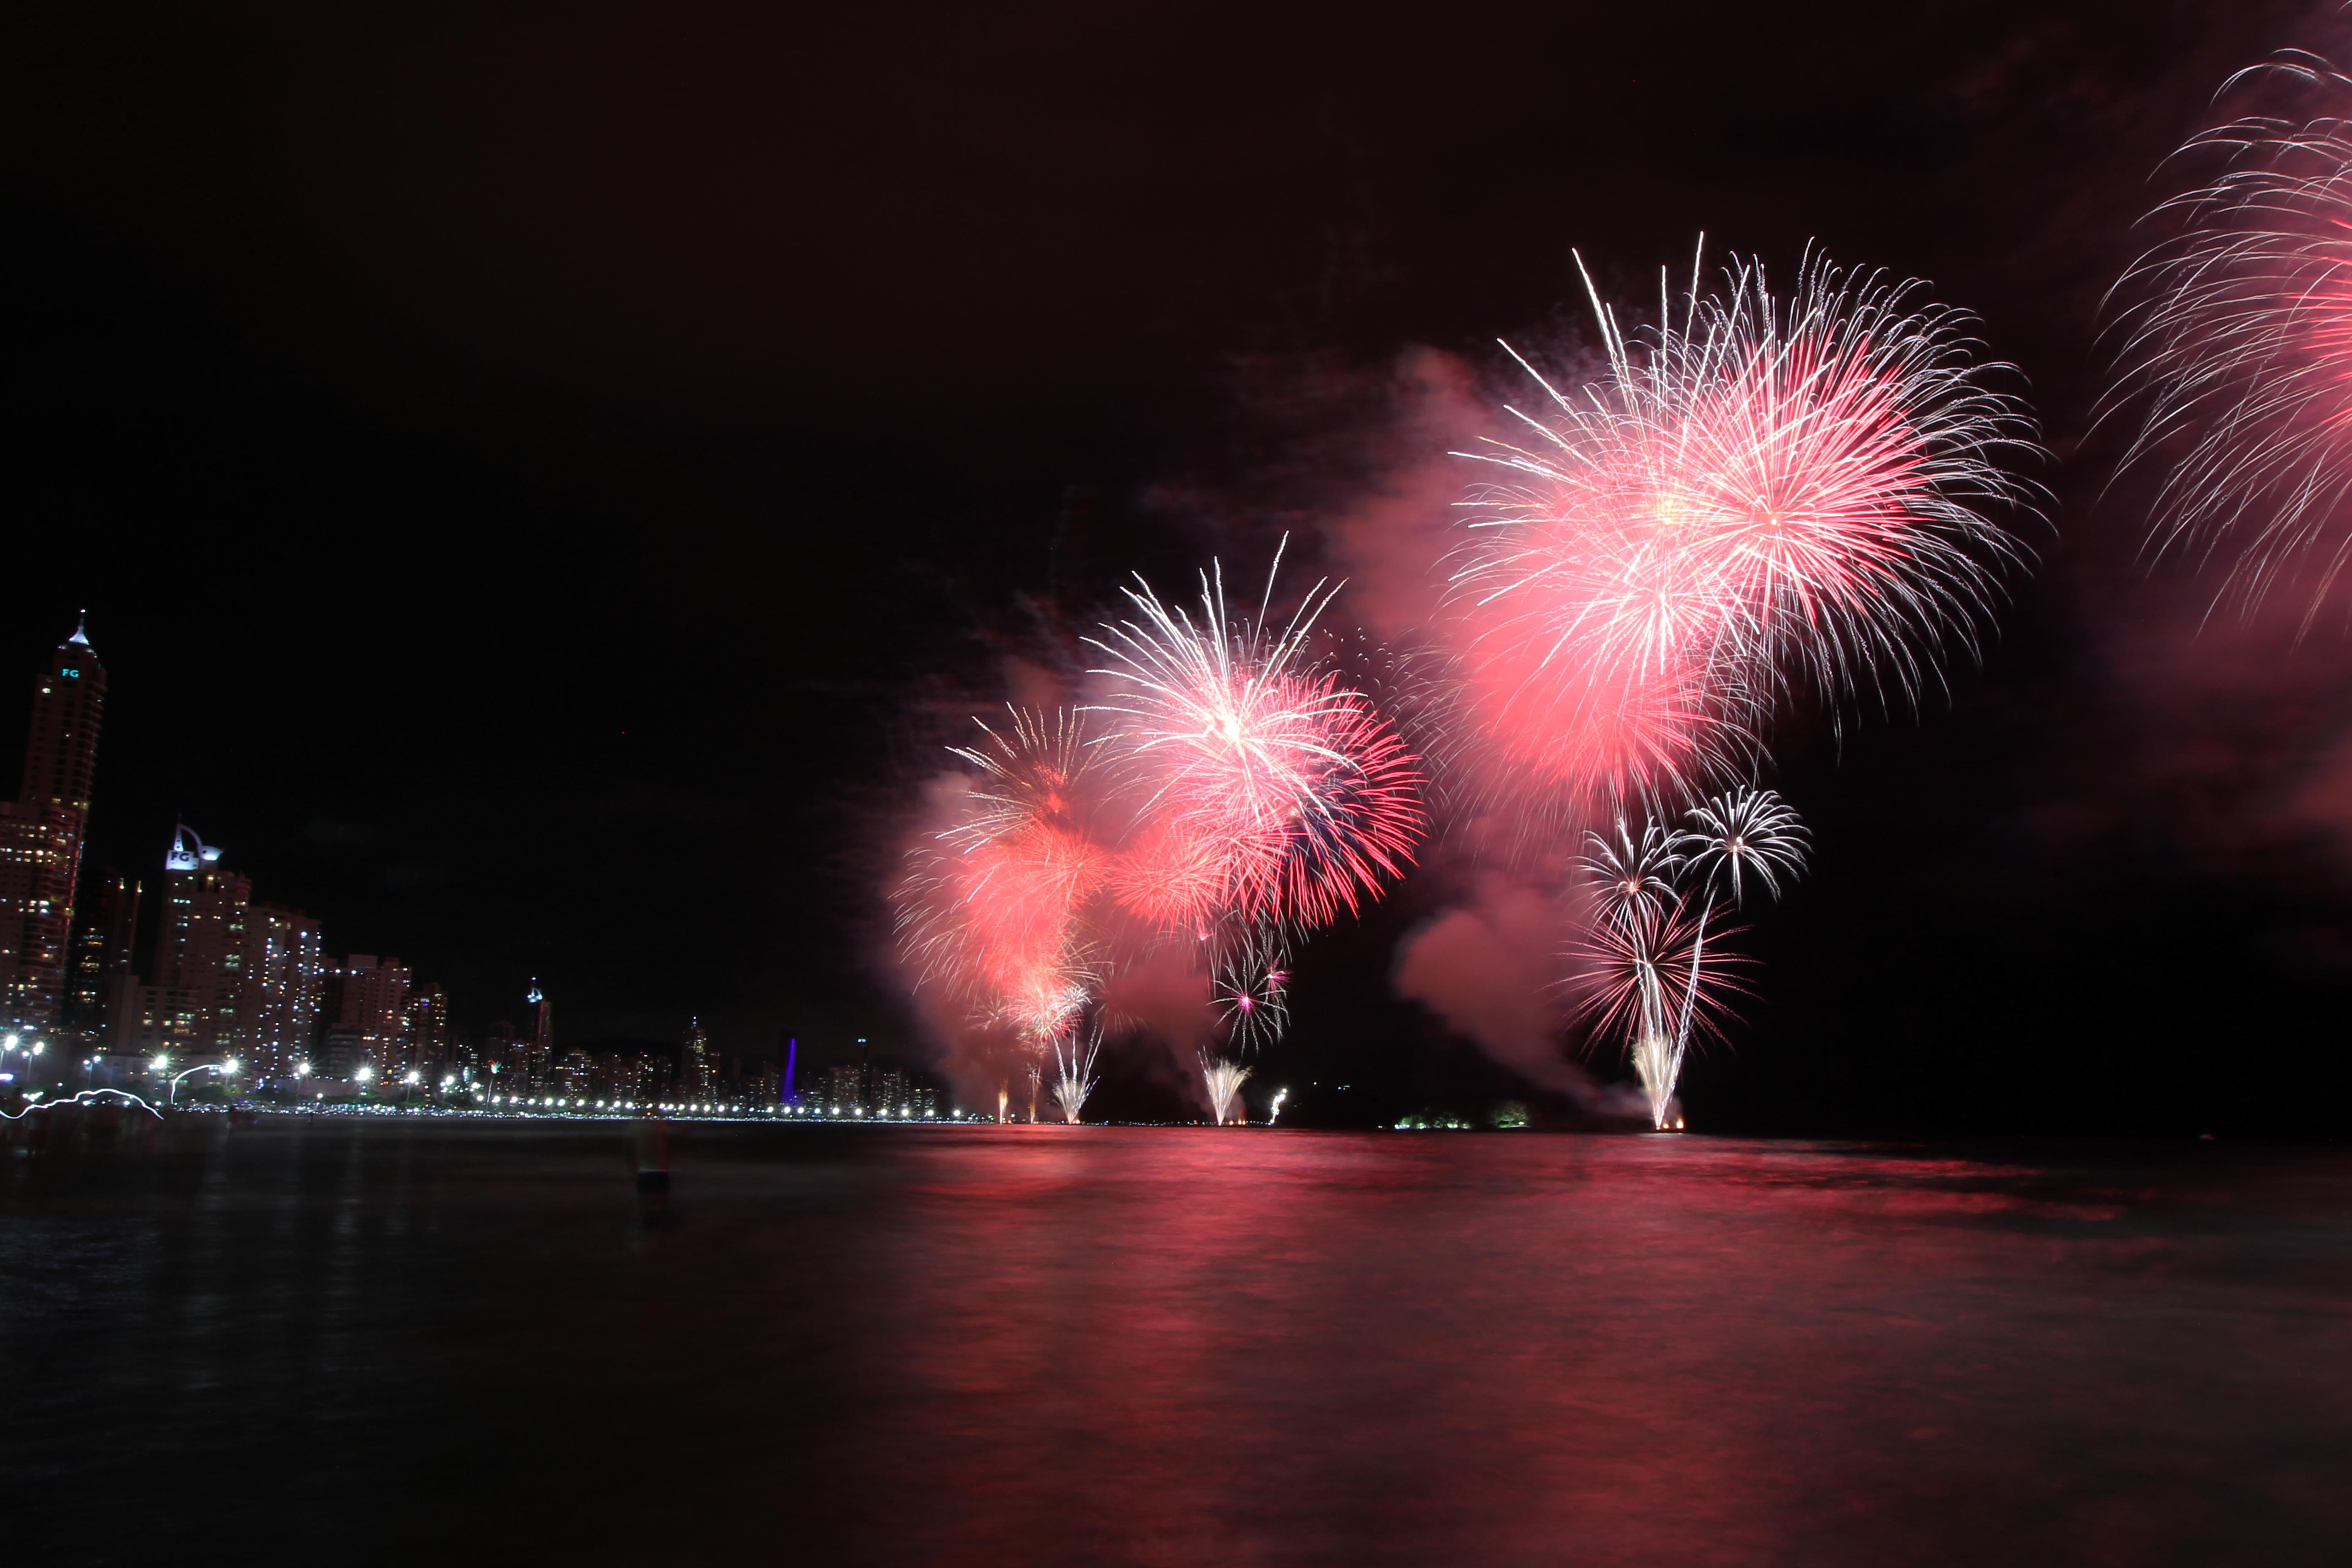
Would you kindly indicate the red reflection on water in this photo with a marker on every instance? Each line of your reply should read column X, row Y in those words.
column 1031, row 1345
column 1121, row 1345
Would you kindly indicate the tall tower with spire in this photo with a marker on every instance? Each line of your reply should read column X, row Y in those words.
column 41, row 835
column 541, row 1052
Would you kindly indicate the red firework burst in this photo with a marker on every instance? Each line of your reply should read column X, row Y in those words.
column 991, row 902
column 1270, row 790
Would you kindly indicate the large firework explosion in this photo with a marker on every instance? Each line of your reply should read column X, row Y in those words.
column 1757, row 492
column 2238, row 349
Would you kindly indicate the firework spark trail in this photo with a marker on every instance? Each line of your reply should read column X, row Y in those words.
column 1758, row 491
column 1652, row 976
column 2237, row 344
column 1074, row 1076
column 1273, row 791
column 87, row 1097
column 1224, row 1081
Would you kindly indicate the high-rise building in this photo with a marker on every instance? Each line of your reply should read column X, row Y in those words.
column 573, row 1074
column 41, row 836
column 284, row 971
column 142, row 1020
column 200, row 935
column 102, row 948
column 427, row 1028
column 541, row 1054
column 696, row 1077
column 370, row 1001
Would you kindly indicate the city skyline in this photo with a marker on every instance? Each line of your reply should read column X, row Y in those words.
column 229, row 976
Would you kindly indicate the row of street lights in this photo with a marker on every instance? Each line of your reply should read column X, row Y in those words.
column 162, row 1065
column 17, row 1043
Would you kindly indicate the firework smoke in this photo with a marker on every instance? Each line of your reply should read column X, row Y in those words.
column 1223, row 1080
column 989, row 904
column 2238, row 349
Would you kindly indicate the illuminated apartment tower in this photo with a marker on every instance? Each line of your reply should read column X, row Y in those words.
column 284, row 974
column 695, row 1078
column 369, row 1023
column 201, row 940
column 41, row 836
column 425, row 1024
column 102, row 948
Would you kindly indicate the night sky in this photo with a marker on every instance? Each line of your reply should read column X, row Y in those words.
column 543, row 486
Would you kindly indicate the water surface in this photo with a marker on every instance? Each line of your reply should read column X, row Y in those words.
column 382, row 1341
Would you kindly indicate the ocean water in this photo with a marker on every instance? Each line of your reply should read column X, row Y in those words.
column 406, row 1342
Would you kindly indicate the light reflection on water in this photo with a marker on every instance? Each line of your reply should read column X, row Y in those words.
column 1044, row 1345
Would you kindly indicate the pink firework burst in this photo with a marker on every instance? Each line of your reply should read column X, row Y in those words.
column 991, row 904
column 1758, row 491
column 1270, row 790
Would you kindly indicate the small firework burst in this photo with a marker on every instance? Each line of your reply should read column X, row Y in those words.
column 1740, row 833
column 1249, row 988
